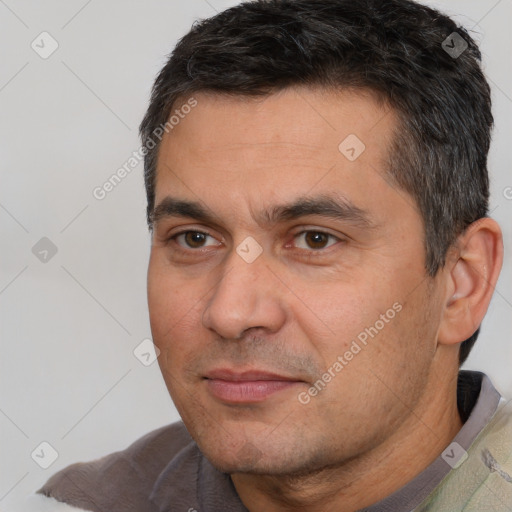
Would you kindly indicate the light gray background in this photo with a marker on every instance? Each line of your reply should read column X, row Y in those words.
column 69, row 326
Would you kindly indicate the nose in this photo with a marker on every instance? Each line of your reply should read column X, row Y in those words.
column 248, row 295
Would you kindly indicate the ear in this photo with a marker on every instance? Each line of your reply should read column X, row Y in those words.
column 472, row 269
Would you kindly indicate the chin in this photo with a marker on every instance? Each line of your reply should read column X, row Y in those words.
column 277, row 459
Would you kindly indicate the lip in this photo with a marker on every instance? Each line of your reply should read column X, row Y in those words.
column 247, row 387
column 248, row 375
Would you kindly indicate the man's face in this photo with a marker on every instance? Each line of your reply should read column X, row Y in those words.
column 295, row 321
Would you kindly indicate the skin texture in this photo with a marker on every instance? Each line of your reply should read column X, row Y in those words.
column 391, row 409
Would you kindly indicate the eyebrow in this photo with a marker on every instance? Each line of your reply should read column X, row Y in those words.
column 337, row 208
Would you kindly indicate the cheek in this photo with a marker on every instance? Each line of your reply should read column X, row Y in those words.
column 332, row 314
column 373, row 319
column 174, row 309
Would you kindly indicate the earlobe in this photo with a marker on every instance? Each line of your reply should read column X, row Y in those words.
column 472, row 274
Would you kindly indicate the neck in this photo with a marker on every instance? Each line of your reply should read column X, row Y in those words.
column 362, row 481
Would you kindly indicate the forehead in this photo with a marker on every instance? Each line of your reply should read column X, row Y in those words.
column 280, row 146
column 313, row 118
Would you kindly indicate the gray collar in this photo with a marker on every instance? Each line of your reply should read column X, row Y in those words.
column 477, row 401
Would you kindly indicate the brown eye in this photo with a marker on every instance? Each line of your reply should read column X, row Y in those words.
column 315, row 240
column 193, row 239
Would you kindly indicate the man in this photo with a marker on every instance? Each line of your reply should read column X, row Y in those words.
column 321, row 262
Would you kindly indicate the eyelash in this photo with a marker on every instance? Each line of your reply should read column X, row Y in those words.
column 310, row 251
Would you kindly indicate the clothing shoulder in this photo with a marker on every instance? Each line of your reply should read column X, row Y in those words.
column 482, row 477
column 121, row 480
